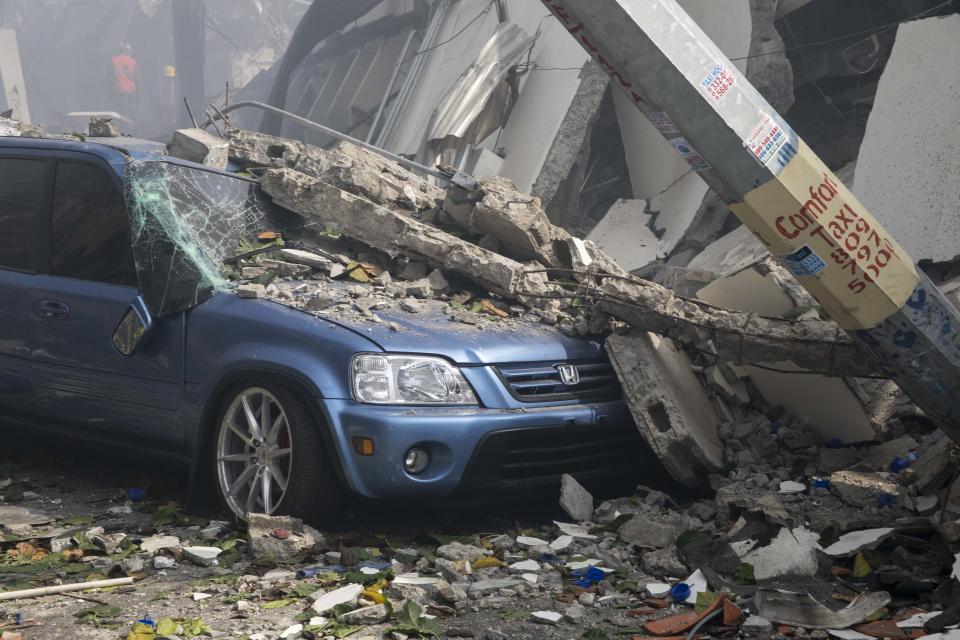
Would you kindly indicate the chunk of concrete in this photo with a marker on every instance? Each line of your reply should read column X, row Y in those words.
column 365, row 615
column 458, row 551
column 156, row 543
column 668, row 403
column 575, row 500
column 547, row 617
column 934, row 466
column 203, row 556
column 855, row 541
column 911, row 132
column 196, row 145
column 278, row 537
column 486, row 587
column 790, row 553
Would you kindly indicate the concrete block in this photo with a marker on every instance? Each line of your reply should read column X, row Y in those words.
column 668, row 403
column 906, row 160
column 201, row 147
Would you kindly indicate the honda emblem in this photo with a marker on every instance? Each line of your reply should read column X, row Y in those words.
column 569, row 375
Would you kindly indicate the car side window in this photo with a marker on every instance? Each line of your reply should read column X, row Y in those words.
column 90, row 229
column 21, row 185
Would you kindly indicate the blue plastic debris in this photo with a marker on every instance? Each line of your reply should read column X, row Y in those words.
column 312, row 572
column 899, row 464
column 136, row 494
column 588, row 577
column 379, row 565
column 886, row 500
column 18, row 618
column 680, row 592
column 775, row 427
column 835, row 443
column 147, row 620
column 820, row 485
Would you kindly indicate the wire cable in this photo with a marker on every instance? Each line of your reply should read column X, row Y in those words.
column 454, row 36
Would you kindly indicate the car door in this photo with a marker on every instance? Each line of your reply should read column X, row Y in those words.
column 21, row 189
column 76, row 304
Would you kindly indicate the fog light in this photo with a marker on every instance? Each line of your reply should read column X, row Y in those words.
column 416, row 460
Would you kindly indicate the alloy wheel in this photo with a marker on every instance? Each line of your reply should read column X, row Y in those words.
column 254, row 453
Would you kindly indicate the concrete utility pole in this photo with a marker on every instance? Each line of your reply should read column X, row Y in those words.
column 780, row 189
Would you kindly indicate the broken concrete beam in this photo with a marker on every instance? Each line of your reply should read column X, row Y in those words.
column 326, row 207
column 737, row 337
column 196, row 145
column 516, row 220
column 252, row 149
column 367, row 174
column 574, row 132
column 668, row 403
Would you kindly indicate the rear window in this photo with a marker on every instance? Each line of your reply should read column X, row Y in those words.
column 21, row 183
column 90, row 232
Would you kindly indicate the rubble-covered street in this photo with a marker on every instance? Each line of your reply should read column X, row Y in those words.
column 430, row 319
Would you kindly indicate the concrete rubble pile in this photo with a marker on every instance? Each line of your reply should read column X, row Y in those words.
column 800, row 540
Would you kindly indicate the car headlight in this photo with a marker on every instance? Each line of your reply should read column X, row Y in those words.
column 395, row 379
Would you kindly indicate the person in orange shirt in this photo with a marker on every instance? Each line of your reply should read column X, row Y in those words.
column 125, row 80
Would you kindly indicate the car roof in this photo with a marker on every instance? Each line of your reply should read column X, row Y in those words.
column 113, row 150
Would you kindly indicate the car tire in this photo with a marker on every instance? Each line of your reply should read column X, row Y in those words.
column 285, row 444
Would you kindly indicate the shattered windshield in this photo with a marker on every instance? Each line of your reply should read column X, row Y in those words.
column 185, row 221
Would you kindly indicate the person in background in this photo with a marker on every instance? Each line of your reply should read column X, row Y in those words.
column 125, row 80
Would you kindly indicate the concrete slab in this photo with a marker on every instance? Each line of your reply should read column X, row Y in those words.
column 623, row 235
column 907, row 175
column 668, row 403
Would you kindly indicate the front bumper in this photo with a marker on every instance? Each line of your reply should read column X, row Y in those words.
column 478, row 450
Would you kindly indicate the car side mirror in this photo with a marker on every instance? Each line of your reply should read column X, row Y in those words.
column 136, row 325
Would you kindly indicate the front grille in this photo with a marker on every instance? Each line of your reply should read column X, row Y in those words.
column 531, row 458
column 541, row 382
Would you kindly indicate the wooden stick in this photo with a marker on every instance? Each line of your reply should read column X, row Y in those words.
column 190, row 113
column 64, row 588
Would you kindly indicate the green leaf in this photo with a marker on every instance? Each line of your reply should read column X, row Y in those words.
column 595, row 634
column 305, row 589
column 94, row 614
column 410, row 614
column 694, row 540
column 512, row 615
column 338, row 630
column 278, row 604
column 195, row 627
column 744, row 574
column 166, row 627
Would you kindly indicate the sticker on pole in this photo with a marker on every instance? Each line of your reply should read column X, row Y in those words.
column 766, row 140
column 691, row 155
column 804, row 262
column 663, row 123
column 718, row 82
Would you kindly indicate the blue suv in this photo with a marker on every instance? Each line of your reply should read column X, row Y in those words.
column 113, row 341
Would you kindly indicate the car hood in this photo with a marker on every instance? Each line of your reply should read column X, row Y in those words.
column 431, row 331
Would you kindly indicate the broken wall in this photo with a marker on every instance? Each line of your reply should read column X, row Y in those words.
column 746, row 283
